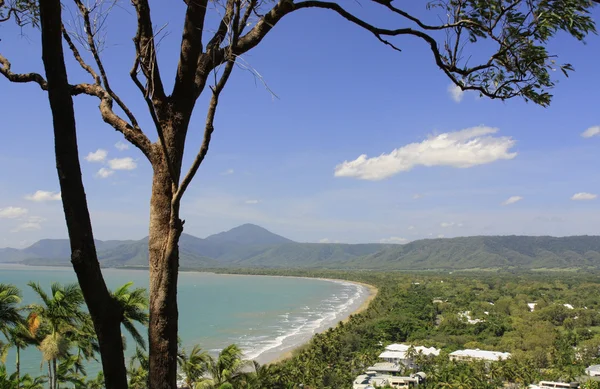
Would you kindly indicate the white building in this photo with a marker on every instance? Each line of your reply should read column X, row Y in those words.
column 478, row 355
column 593, row 371
column 369, row 381
column 399, row 355
column 466, row 316
column 554, row 385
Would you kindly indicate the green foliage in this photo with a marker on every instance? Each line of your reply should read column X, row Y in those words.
column 135, row 310
column 518, row 31
column 10, row 297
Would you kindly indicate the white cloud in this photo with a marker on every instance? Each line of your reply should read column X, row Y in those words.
column 122, row 146
column 450, row 224
column 27, row 226
column 417, row 196
column 126, row 163
column 227, row 172
column 584, row 196
column 461, row 149
column 394, row 240
column 512, row 200
column 441, row 236
column 252, row 201
column 42, row 195
column 12, row 212
column 456, row 93
column 592, row 131
column 410, row 228
column 97, row 156
column 104, row 173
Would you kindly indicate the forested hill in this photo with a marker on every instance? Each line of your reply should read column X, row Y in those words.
column 253, row 246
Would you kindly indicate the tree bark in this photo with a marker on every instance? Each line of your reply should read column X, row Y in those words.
column 18, row 367
column 104, row 310
column 165, row 230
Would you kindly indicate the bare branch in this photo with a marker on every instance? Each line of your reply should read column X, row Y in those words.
column 208, row 130
column 79, row 58
column 85, row 13
column 21, row 77
column 144, row 90
column 146, row 50
column 191, row 48
column 136, row 137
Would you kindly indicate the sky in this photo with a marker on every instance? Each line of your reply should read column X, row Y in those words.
column 349, row 141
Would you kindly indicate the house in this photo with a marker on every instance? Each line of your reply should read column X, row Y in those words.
column 403, row 355
column 466, row 316
column 478, row 355
column 369, row 381
column 593, row 371
column 555, row 385
column 372, row 379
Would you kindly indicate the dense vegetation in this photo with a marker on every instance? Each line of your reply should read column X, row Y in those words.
column 253, row 246
column 551, row 342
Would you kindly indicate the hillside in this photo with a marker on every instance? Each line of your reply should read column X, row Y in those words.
column 253, row 246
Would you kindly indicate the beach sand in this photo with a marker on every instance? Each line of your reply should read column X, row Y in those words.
column 281, row 354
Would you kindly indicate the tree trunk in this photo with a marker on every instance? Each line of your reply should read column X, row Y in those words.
column 104, row 310
column 18, row 367
column 163, row 245
column 54, row 377
column 50, row 384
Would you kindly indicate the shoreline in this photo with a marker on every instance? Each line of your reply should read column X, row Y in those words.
column 363, row 296
column 287, row 353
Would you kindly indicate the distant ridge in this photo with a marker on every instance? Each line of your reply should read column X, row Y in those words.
column 250, row 245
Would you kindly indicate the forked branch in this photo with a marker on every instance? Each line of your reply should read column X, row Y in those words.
column 208, row 131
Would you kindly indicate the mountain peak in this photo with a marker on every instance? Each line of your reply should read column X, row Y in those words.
column 248, row 234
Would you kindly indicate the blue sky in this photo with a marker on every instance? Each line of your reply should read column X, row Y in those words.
column 280, row 162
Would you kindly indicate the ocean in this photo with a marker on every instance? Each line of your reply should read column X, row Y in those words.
column 265, row 316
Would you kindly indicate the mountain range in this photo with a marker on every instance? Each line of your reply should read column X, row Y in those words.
column 252, row 246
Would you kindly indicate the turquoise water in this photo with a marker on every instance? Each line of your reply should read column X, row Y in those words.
column 263, row 315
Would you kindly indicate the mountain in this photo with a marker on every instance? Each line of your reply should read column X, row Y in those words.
column 487, row 252
column 253, row 246
column 248, row 234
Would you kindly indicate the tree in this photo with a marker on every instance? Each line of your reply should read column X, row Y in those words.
column 227, row 368
column 134, row 305
column 517, row 64
column 193, row 366
column 58, row 320
column 10, row 297
column 20, row 337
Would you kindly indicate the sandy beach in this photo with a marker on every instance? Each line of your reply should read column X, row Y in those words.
column 287, row 350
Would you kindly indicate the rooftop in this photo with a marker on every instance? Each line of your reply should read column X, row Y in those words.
column 481, row 354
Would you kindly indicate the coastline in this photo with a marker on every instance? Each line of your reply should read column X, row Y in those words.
column 281, row 355
column 357, row 298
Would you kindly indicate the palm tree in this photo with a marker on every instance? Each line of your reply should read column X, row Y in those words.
column 193, row 366
column 135, row 309
column 20, row 337
column 10, row 316
column 138, row 370
column 59, row 318
column 226, row 369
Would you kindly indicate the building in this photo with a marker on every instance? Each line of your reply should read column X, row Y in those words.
column 555, row 385
column 593, row 371
column 369, row 381
column 403, row 355
column 478, row 355
column 372, row 379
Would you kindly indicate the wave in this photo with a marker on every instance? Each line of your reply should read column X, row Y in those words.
column 293, row 328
